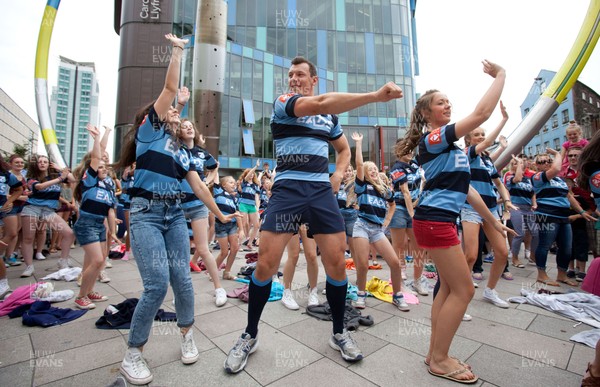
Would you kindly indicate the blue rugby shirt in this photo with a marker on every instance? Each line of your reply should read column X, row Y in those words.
column 7, row 182
column 201, row 160
column 302, row 143
column 47, row 197
column 483, row 172
column 372, row 205
column 521, row 192
column 551, row 196
column 225, row 201
column 406, row 173
column 97, row 198
column 447, row 173
column 161, row 163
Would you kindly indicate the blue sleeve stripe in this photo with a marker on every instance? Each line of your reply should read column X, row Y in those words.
column 287, row 130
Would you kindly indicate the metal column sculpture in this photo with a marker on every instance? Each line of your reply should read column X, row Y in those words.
column 558, row 89
column 41, row 83
column 208, row 81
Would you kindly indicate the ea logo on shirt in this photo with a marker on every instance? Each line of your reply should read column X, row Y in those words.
column 285, row 97
column 538, row 176
column 435, row 137
column 595, row 180
column 397, row 174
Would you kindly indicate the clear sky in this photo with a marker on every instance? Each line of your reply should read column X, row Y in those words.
column 453, row 38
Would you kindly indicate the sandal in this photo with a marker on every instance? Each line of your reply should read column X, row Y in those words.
column 507, row 275
column 452, row 376
column 53, row 250
column 228, row 276
column 462, row 363
column 477, row 276
column 568, row 281
column 519, row 265
column 590, row 381
column 548, row 282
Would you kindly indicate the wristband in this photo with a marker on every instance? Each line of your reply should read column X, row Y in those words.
column 179, row 103
column 581, row 212
column 178, row 47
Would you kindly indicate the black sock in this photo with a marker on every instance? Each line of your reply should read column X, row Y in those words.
column 258, row 295
column 336, row 297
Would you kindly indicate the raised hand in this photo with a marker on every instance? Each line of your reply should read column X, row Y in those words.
column 503, row 111
column 183, row 95
column 92, row 130
column 176, row 41
column 357, row 136
column 552, row 151
column 388, row 92
column 491, row 68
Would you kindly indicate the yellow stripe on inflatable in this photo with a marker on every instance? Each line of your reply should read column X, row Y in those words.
column 49, row 136
column 43, row 47
column 578, row 56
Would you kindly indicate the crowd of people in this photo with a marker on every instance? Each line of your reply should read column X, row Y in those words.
column 439, row 203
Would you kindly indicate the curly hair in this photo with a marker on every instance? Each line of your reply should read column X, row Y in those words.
column 417, row 123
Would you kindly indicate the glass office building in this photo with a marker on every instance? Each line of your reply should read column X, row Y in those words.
column 357, row 46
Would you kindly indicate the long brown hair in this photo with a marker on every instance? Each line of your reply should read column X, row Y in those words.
column 33, row 172
column 589, row 162
column 417, row 122
column 127, row 156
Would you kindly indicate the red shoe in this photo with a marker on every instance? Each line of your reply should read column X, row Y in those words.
column 195, row 267
column 95, row 296
column 84, row 303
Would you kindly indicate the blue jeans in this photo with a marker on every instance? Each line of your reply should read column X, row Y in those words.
column 160, row 243
column 549, row 232
column 523, row 219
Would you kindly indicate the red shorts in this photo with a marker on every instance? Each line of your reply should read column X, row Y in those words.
column 435, row 235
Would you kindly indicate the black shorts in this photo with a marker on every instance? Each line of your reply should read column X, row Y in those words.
column 295, row 202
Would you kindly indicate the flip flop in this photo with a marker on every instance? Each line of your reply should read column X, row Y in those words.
column 507, row 275
column 548, row 282
column 519, row 265
column 569, row 282
column 451, row 376
column 462, row 363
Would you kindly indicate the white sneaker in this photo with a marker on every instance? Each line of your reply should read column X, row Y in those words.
column 134, row 367
column 39, row 256
column 275, row 278
column 404, row 275
column 467, row 317
column 63, row 263
column 288, row 300
column 361, row 301
column 4, row 288
column 491, row 295
column 108, row 265
column 400, row 302
column 527, row 254
column 103, row 277
column 220, row 297
column 421, row 286
column 475, row 285
column 313, row 298
column 189, row 352
column 79, row 279
column 28, row 271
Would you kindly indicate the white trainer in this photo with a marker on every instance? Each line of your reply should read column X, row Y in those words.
column 467, row 317
column 189, row 352
column 490, row 295
column 40, row 256
column 28, row 271
column 288, row 300
column 220, row 297
column 313, row 297
column 134, row 368
column 421, row 286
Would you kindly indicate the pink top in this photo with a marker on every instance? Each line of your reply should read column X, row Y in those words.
column 567, row 145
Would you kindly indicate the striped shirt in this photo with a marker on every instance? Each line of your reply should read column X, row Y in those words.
column 521, row 192
column 97, row 198
column 483, row 172
column 248, row 193
column 8, row 181
column 551, row 197
column 225, row 201
column 47, row 197
column 447, row 173
column 406, row 173
column 161, row 164
column 302, row 143
column 372, row 206
column 201, row 160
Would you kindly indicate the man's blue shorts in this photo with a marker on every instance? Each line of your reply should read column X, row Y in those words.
column 295, row 202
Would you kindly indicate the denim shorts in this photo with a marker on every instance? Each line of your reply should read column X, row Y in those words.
column 371, row 231
column 40, row 212
column 401, row 218
column 89, row 229
column 350, row 217
column 196, row 212
column 223, row 230
column 14, row 211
